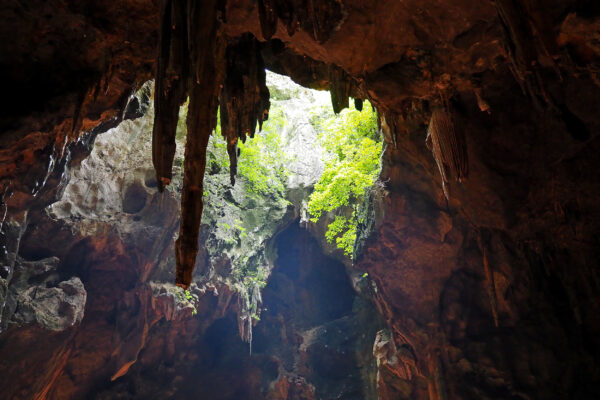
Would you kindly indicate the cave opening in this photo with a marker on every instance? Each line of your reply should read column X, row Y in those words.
column 480, row 252
column 314, row 337
column 306, row 163
column 237, row 318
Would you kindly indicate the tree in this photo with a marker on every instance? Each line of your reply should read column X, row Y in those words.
column 353, row 147
column 263, row 162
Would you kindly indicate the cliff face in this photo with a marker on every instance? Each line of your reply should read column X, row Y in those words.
column 489, row 286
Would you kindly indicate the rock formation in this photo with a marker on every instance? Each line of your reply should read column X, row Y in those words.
column 488, row 287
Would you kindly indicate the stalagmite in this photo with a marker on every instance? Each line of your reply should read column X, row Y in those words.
column 448, row 146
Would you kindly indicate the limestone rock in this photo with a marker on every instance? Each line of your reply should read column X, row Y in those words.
column 36, row 295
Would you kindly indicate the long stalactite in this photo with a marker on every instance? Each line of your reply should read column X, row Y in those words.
column 189, row 54
column 195, row 59
column 171, row 86
column 245, row 97
column 204, row 83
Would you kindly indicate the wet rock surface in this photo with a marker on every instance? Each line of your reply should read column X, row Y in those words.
column 491, row 293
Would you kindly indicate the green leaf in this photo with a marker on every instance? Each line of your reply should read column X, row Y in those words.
column 353, row 147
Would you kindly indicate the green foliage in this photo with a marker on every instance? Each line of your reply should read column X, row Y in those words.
column 343, row 231
column 262, row 162
column 257, row 278
column 185, row 296
column 233, row 233
column 217, row 159
column 353, row 147
column 250, row 274
column 241, row 231
column 278, row 94
column 251, row 280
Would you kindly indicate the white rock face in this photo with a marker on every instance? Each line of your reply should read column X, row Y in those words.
column 116, row 180
column 299, row 136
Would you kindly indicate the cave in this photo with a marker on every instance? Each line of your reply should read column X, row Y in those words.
column 314, row 339
column 135, row 264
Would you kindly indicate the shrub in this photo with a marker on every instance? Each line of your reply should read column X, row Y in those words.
column 353, row 150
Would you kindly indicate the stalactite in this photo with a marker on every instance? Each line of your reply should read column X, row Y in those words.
column 171, row 86
column 339, row 89
column 481, row 103
column 206, row 77
column 244, row 99
column 318, row 18
column 448, row 146
column 514, row 20
column 321, row 18
column 187, row 62
column 491, row 287
column 529, row 41
column 267, row 15
column 386, row 123
column 358, row 104
column 524, row 51
column 489, row 277
column 77, row 112
column 249, row 301
column 191, row 60
column 440, row 382
column 285, row 12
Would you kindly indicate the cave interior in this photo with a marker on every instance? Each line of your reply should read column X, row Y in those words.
column 475, row 273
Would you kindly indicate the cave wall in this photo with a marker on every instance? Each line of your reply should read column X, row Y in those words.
column 487, row 290
column 489, row 293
